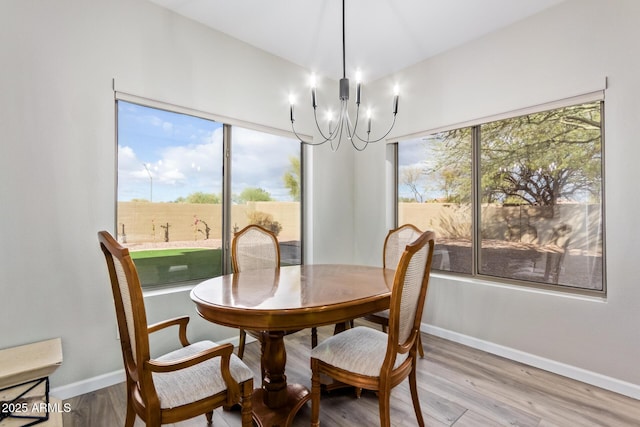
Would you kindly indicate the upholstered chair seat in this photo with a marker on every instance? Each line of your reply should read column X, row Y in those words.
column 196, row 382
column 360, row 350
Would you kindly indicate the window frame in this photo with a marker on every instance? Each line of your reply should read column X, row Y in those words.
column 476, row 196
column 227, row 124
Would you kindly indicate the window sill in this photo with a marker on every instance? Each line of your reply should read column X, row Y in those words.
column 582, row 295
column 171, row 288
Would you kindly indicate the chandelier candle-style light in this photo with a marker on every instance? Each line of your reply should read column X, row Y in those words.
column 343, row 126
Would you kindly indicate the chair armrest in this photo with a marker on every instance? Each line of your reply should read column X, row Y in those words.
column 179, row 321
column 225, row 351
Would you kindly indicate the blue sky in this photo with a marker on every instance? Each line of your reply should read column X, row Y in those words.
column 184, row 155
column 416, row 153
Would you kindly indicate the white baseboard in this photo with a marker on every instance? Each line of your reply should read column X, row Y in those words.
column 106, row 380
column 588, row 377
column 87, row 386
column 618, row 386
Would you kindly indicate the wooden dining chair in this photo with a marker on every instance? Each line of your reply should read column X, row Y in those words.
column 371, row 359
column 254, row 247
column 394, row 245
column 182, row 384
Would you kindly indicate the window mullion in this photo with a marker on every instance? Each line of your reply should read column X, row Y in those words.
column 476, row 200
column 226, row 198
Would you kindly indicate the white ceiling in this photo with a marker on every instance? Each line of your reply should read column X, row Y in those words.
column 382, row 36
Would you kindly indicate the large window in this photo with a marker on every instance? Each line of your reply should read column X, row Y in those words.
column 434, row 193
column 265, row 177
column 179, row 202
column 518, row 199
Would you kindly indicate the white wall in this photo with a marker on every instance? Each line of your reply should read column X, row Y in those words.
column 562, row 52
column 57, row 167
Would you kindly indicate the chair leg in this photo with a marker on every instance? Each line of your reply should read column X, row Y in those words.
column 209, row 416
column 384, row 395
column 247, row 391
column 130, row 418
column 413, row 386
column 153, row 418
column 131, row 415
column 420, row 349
column 243, row 339
column 315, row 393
column 314, row 337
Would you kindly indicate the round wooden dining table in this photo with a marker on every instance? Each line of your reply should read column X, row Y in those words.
column 274, row 301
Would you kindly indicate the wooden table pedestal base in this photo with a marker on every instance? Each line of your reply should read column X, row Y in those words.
column 297, row 396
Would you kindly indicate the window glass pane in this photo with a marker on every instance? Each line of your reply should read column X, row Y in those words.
column 169, row 209
column 434, row 193
column 541, row 213
column 266, row 187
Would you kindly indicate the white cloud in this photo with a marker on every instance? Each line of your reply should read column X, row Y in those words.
column 259, row 160
column 167, row 127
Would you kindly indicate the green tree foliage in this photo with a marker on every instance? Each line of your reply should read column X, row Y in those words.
column 538, row 159
column 451, row 170
column 199, row 197
column 541, row 158
column 291, row 178
column 254, row 194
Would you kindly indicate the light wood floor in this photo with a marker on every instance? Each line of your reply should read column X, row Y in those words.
column 458, row 386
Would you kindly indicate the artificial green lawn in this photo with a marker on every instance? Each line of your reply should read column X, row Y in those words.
column 162, row 266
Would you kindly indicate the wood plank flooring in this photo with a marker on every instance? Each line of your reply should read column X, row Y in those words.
column 458, row 386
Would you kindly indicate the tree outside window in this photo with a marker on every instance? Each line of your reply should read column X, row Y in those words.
column 540, row 190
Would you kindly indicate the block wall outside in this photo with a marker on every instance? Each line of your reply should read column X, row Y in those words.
column 454, row 221
column 143, row 221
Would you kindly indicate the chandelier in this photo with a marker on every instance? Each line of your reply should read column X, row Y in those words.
column 343, row 127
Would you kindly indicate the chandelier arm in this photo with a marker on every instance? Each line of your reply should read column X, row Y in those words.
column 353, row 143
column 355, row 134
column 302, row 140
column 355, row 125
column 332, row 135
column 350, row 131
column 368, row 141
column 331, row 138
column 357, row 117
column 338, row 131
